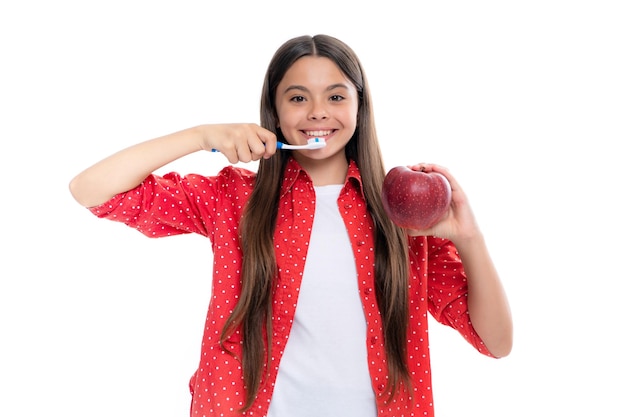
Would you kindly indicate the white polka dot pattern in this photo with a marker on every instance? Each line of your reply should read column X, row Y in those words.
column 212, row 206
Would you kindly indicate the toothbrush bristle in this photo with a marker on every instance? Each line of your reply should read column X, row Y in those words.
column 316, row 143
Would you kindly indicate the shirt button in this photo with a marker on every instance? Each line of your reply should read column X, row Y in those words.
column 367, row 291
column 381, row 387
column 347, row 206
column 373, row 340
column 360, row 243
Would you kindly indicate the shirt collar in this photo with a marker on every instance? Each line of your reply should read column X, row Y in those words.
column 294, row 170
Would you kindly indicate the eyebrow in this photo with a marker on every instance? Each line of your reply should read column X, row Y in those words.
column 303, row 88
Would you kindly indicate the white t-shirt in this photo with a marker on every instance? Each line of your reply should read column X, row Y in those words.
column 324, row 371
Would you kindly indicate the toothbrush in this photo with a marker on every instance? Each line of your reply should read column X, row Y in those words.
column 315, row 143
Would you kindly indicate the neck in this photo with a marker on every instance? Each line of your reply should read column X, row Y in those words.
column 328, row 171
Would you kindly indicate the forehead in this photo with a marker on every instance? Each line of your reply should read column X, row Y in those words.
column 314, row 71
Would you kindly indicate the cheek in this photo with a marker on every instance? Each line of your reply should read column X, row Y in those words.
column 281, row 115
column 289, row 119
column 351, row 116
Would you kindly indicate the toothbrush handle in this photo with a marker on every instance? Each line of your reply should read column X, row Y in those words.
column 279, row 145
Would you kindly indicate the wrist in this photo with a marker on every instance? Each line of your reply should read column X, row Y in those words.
column 470, row 241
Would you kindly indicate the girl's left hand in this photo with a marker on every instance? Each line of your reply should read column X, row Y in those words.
column 459, row 223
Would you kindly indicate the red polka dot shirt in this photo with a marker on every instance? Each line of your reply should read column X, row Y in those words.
column 212, row 207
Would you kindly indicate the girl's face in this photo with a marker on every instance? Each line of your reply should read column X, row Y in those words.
column 316, row 100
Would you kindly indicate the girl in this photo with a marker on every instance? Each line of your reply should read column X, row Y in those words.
column 319, row 302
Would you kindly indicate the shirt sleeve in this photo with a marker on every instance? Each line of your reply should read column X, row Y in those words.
column 447, row 288
column 172, row 204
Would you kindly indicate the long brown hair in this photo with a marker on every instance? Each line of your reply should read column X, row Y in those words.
column 254, row 309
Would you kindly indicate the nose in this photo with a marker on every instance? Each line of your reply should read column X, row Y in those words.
column 318, row 112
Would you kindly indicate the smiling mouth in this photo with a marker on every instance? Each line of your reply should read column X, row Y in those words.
column 317, row 133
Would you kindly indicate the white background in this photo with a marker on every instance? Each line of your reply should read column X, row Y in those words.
column 525, row 102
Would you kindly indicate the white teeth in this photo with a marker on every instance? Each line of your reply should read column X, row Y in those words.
column 318, row 132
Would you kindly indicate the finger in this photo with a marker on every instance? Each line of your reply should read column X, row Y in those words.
column 244, row 153
column 231, row 154
column 257, row 148
column 269, row 142
column 422, row 166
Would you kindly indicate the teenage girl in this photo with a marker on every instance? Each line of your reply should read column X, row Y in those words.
column 319, row 302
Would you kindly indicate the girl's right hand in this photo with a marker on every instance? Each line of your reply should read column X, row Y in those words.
column 239, row 142
column 127, row 168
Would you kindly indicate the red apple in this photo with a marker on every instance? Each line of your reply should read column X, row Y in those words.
column 414, row 199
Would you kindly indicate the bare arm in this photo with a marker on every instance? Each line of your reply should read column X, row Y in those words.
column 487, row 301
column 127, row 168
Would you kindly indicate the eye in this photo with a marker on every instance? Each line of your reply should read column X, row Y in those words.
column 336, row 97
column 297, row 99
